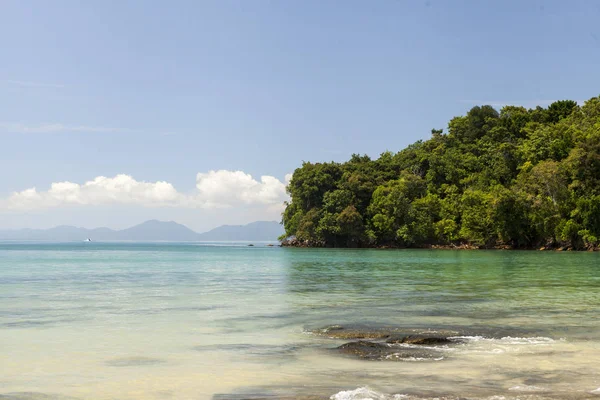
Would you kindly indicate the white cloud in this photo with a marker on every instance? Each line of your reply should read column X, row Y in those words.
column 288, row 178
column 214, row 189
column 121, row 189
column 217, row 188
column 16, row 127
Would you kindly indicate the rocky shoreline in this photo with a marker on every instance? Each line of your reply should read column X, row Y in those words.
column 294, row 242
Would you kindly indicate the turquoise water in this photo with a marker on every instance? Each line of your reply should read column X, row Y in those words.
column 202, row 321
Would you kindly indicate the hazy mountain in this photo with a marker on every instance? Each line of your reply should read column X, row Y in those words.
column 157, row 230
column 259, row 231
column 151, row 231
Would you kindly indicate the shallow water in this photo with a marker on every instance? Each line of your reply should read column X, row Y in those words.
column 193, row 321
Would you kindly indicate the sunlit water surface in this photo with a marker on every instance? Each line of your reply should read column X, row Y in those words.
column 198, row 321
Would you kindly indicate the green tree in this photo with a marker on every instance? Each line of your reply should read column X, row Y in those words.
column 518, row 177
column 477, row 222
column 391, row 206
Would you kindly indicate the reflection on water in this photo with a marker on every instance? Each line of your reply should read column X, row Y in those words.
column 440, row 288
column 108, row 321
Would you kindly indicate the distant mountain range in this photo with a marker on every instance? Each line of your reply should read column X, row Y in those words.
column 152, row 231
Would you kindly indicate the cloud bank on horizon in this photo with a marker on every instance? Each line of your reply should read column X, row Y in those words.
column 214, row 189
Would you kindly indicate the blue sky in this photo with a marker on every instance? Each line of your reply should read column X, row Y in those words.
column 163, row 91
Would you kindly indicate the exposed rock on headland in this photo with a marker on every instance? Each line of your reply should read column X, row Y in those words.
column 295, row 242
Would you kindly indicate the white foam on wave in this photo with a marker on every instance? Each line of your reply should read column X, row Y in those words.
column 398, row 356
column 364, row 393
column 507, row 344
column 444, row 347
column 527, row 340
column 508, row 339
column 596, row 391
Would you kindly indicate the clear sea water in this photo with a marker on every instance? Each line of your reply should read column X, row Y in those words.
column 228, row 321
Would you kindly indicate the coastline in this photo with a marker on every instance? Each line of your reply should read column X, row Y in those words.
column 459, row 246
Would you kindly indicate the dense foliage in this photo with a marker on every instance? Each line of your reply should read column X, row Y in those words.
column 518, row 177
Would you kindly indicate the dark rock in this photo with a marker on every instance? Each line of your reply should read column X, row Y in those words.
column 340, row 332
column 420, row 339
column 384, row 352
column 292, row 241
column 365, row 349
column 362, row 332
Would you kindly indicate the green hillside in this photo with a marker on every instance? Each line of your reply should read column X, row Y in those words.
column 515, row 177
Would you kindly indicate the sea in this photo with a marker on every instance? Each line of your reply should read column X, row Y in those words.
column 231, row 321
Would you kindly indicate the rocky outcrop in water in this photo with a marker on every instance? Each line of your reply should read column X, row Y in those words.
column 340, row 332
column 394, row 334
column 391, row 343
column 418, row 336
column 427, row 340
column 373, row 351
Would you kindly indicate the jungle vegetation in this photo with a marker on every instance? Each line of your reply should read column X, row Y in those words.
column 516, row 177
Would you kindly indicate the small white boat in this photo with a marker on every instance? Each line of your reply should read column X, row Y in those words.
column 88, row 240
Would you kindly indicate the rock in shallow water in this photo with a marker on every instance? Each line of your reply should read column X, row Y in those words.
column 428, row 340
column 374, row 333
column 382, row 351
column 431, row 336
column 341, row 332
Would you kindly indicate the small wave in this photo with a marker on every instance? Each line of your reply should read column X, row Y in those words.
column 507, row 344
column 468, row 338
column 364, row 393
column 399, row 356
column 530, row 340
column 440, row 348
column 596, row 391
column 508, row 339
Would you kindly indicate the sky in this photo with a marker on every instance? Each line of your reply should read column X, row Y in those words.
column 114, row 112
